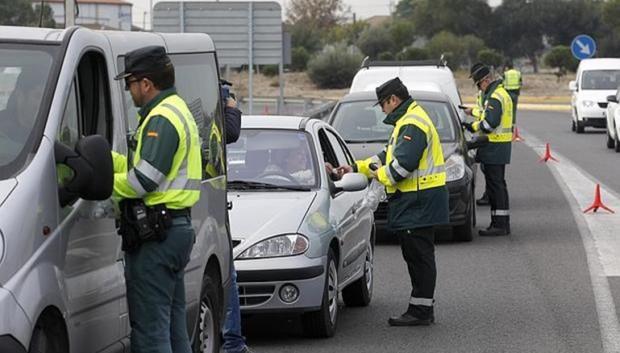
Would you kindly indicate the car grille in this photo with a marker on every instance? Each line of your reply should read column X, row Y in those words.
column 602, row 104
column 381, row 212
column 255, row 294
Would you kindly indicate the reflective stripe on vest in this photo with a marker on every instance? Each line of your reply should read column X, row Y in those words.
column 431, row 171
column 512, row 79
column 181, row 187
column 503, row 132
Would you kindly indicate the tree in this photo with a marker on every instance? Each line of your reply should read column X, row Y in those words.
column 457, row 16
column 402, row 32
column 375, row 40
column 346, row 32
column 405, row 9
column 472, row 45
column 320, row 13
column 335, row 66
column 21, row 13
column 490, row 57
column 299, row 58
column 305, row 35
column 560, row 57
column 411, row 53
column 447, row 44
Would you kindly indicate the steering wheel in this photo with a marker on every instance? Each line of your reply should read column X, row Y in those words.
column 283, row 175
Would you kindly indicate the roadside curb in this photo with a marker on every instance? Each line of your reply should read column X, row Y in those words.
column 544, row 107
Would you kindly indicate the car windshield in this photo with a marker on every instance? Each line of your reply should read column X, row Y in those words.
column 24, row 71
column 601, row 79
column 280, row 158
column 362, row 122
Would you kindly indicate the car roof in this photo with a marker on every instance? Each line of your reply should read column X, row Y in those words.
column 418, row 95
column 282, row 122
column 368, row 78
column 32, row 33
column 599, row 64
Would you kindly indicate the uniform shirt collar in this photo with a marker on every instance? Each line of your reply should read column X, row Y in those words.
column 146, row 109
column 393, row 117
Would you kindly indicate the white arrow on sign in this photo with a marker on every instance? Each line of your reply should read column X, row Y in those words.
column 584, row 48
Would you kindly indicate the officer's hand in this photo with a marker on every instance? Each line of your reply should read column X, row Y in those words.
column 231, row 102
column 342, row 170
column 468, row 111
column 372, row 174
column 468, row 126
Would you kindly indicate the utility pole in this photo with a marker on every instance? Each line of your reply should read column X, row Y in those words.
column 69, row 13
column 150, row 14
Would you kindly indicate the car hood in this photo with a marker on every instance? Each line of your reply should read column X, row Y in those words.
column 595, row 95
column 258, row 215
column 6, row 186
column 365, row 150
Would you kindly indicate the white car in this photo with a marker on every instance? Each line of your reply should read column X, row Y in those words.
column 613, row 121
column 596, row 79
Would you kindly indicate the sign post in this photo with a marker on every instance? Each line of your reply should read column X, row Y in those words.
column 583, row 47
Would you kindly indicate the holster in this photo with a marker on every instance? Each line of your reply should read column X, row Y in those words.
column 140, row 224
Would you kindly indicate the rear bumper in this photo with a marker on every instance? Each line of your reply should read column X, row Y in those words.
column 594, row 122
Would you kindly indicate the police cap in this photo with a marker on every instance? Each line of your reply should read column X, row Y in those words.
column 392, row 87
column 478, row 71
column 145, row 60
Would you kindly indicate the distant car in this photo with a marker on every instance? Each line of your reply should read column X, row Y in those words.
column 596, row 79
column 299, row 237
column 361, row 125
column 612, row 114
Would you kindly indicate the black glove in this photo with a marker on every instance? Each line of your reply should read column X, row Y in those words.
column 468, row 126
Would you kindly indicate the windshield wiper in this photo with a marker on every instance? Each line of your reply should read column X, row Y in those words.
column 247, row 185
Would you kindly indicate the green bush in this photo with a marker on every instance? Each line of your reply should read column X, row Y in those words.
column 561, row 57
column 299, row 59
column 269, row 70
column 386, row 55
column 335, row 66
column 490, row 57
column 375, row 40
column 411, row 53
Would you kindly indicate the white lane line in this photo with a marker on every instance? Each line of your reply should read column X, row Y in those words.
column 601, row 247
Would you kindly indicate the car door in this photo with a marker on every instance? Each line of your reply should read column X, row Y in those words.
column 92, row 272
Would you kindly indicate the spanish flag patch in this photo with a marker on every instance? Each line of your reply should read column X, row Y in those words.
column 408, row 138
column 152, row 134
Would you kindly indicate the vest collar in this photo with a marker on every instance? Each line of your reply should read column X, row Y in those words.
column 146, row 109
column 401, row 110
column 491, row 89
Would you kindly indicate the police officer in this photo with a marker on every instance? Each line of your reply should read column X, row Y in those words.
column 413, row 172
column 496, row 123
column 477, row 113
column 161, row 181
column 512, row 83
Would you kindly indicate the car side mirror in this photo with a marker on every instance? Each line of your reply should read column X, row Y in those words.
column 92, row 169
column 612, row 99
column 572, row 85
column 350, row 182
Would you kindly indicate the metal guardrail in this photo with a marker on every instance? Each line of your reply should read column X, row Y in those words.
column 313, row 108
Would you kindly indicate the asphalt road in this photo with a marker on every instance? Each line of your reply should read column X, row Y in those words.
column 528, row 292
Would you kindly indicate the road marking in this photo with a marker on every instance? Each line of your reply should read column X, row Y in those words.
column 597, row 233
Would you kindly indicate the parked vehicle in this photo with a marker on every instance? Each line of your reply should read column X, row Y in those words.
column 596, row 79
column 62, row 287
column 360, row 123
column 417, row 75
column 612, row 114
column 300, row 239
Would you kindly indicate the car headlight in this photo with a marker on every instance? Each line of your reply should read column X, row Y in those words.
column 281, row 245
column 588, row 103
column 455, row 167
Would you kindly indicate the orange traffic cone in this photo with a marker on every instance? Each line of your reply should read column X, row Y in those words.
column 597, row 202
column 547, row 156
column 516, row 137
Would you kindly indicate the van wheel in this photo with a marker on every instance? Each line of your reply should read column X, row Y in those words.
column 207, row 338
column 580, row 127
column 572, row 126
column 616, row 143
column 47, row 337
column 610, row 142
column 322, row 323
column 359, row 293
column 465, row 231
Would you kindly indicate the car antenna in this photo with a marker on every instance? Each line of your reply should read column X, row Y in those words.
column 365, row 62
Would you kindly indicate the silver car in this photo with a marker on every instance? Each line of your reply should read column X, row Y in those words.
column 300, row 236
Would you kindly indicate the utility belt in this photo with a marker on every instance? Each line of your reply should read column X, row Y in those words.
column 140, row 223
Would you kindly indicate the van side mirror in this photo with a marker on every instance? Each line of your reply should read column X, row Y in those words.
column 572, row 85
column 93, row 171
column 612, row 98
column 350, row 182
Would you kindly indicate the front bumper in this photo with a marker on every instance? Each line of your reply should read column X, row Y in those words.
column 260, row 282
column 15, row 327
column 593, row 116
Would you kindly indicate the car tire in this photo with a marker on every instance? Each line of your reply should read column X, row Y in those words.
column 465, row 232
column 207, row 337
column 359, row 293
column 610, row 142
column 572, row 126
column 322, row 323
column 580, row 127
column 616, row 143
column 47, row 337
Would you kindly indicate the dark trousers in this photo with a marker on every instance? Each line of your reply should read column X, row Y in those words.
column 418, row 248
column 156, row 291
column 514, row 94
column 494, row 177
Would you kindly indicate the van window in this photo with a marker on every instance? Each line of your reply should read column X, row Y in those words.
column 197, row 82
column 600, row 79
column 24, row 74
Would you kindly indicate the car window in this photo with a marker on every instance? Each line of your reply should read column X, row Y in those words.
column 362, row 122
column 600, row 79
column 339, row 152
column 278, row 157
column 329, row 155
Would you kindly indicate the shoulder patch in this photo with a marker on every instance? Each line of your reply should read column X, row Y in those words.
column 152, row 134
column 408, row 138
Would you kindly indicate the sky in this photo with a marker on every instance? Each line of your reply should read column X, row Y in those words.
column 363, row 9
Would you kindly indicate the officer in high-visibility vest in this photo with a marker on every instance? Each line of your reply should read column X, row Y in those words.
column 496, row 123
column 477, row 113
column 157, row 184
column 513, row 83
column 413, row 172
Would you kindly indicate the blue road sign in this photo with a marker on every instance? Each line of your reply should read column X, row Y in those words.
column 583, row 47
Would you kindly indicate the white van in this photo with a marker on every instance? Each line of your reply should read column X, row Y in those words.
column 596, row 80
column 62, row 287
column 419, row 75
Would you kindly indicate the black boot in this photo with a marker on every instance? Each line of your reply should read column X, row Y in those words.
column 416, row 315
column 483, row 200
column 499, row 226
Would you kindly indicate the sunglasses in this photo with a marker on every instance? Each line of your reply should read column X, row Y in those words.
column 382, row 102
column 128, row 82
